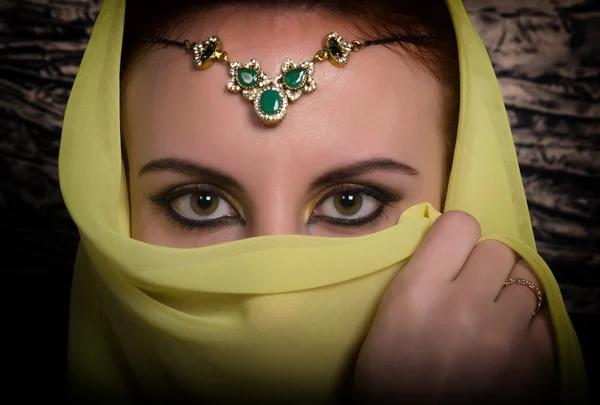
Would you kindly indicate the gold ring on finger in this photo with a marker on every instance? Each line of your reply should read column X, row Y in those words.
column 532, row 286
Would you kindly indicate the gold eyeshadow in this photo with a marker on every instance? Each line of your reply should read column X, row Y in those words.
column 234, row 201
column 384, row 196
column 314, row 201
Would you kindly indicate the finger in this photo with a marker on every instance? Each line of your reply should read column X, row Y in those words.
column 487, row 267
column 444, row 249
column 541, row 333
column 519, row 300
column 533, row 366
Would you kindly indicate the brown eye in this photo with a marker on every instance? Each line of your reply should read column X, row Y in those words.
column 348, row 204
column 351, row 205
column 204, row 204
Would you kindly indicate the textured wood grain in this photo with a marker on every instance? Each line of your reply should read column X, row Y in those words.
column 546, row 55
column 547, row 58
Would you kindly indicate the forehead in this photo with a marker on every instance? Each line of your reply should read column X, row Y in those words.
column 380, row 104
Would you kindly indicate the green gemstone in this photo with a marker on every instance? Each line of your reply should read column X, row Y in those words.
column 247, row 77
column 207, row 51
column 334, row 47
column 270, row 102
column 295, row 78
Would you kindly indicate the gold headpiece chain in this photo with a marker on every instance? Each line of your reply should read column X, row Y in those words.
column 271, row 96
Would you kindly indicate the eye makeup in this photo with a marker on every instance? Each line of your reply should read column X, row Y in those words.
column 164, row 203
column 384, row 196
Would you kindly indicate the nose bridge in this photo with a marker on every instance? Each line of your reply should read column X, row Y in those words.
column 276, row 210
column 277, row 190
column 277, row 226
column 275, row 218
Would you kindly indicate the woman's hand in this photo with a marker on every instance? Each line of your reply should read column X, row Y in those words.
column 448, row 332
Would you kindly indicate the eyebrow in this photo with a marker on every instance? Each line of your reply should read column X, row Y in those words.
column 362, row 168
column 191, row 169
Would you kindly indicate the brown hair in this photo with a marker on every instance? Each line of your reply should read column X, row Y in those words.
column 374, row 18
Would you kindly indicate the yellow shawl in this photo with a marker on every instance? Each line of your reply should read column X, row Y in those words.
column 267, row 318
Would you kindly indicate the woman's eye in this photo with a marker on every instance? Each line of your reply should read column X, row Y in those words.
column 202, row 206
column 347, row 205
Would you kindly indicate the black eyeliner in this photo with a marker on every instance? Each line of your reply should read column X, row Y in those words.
column 383, row 196
column 385, row 199
column 172, row 216
column 163, row 200
column 350, row 223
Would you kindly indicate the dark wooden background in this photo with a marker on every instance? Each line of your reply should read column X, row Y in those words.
column 547, row 57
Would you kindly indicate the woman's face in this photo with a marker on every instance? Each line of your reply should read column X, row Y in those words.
column 347, row 160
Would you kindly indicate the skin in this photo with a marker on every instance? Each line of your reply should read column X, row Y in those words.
column 382, row 107
column 465, row 338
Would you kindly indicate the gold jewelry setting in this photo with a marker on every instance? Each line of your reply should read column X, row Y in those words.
column 338, row 48
column 530, row 285
column 247, row 79
column 271, row 96
column 205, row 53
column 296, row 79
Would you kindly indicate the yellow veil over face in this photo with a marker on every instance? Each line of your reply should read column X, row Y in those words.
column 267, row 318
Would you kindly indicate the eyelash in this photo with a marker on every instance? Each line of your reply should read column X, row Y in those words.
column 385, row 200
column 164, row 200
